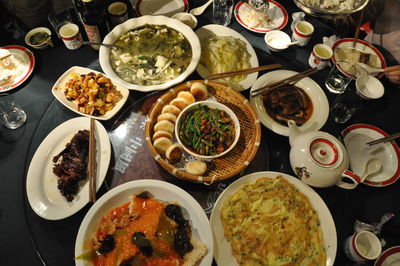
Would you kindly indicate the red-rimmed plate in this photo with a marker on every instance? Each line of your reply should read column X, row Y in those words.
column 25, row 60
column 355, row 139
column 362, row 46
column 276, row 12
column 390, row 257
column 166, row 8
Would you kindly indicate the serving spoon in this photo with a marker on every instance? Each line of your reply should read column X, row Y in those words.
column 370, row 69
column 373, row 166
column 99, row 43
column 199, row 10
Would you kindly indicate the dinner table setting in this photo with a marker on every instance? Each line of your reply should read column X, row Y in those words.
column 210, row 132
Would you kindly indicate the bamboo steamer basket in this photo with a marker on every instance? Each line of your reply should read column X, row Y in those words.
column 229, row 165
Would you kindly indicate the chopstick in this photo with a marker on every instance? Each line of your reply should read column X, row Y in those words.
column 385, row 139
column 289, row 80
column 243, row 71
column 92, row 163
column 357, row 32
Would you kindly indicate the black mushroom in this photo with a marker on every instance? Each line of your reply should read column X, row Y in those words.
column 143, row 243
column 107, row 245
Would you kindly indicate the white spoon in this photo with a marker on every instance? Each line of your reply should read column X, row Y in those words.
column 199, row 10
column 370, row 69
column 373, row 166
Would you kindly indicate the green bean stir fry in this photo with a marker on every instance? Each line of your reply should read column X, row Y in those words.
column 207, row 131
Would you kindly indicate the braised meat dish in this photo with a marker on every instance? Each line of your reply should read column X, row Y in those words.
column 288, row 103
column 72, row 167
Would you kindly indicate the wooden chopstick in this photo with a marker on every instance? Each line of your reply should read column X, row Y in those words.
column 357, row 32
column 385, row 139
column 286, row 81
column 92, row 163
column 243, row 71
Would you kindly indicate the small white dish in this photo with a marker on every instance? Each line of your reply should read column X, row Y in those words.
column 390, row 257
column 164, row 8
column 213, row 105
column 369, row 87
column 161, row 190
column 277, row 40
column 58, row 92
column 41, row 183
column 186, row 18
column 42, row 45
column 355, row 138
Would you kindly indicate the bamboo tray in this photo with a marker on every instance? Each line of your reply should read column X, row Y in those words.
column 238, row 158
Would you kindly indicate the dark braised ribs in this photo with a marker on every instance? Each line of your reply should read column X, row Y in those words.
column 72, row 167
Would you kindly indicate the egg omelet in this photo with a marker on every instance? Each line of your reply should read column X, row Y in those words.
column 270, row 222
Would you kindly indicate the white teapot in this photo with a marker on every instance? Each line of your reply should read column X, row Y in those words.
column 319, row 159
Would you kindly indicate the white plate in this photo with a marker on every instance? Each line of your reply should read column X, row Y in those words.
column 362, row 46
column 27, row 62
column 390, row 257
column 278, row 15
column 140, row 21
column 320, row 102
column 355, row 138
column 41, row 184
column 167, row 8
column 208, row 31
column 161, row 190
column 60, row 96
column 222, row 248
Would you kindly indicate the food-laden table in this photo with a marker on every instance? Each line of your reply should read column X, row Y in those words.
column 31, row 240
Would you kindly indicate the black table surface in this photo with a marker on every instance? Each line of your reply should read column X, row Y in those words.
column 33, row 241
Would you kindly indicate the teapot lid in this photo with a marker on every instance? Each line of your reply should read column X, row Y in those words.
column 325, row 152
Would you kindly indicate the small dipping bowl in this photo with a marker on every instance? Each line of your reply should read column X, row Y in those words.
column 186, row 18
column 37, row 31
column 369, row 87
column 212, row 105
column 277, row 40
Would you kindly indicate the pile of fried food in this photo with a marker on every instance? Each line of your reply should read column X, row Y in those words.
column 165, row 127
column 146, row 231
column 94, row 94
column 72, row 167
column 270, row 222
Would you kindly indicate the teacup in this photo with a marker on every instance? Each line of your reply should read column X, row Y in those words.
column 362, row 246
column 302, row 32
column 320, row 56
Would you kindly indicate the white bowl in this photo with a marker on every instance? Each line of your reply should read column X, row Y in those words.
column 186, row 18
column 214, row 105
column 141, row 21
column 277, row 40
column 369, row 87
column 42, row 45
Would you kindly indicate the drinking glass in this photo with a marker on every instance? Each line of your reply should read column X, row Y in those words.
column 222, row 11
column 11, row 113
column 337, row 81
column 60, row 17
column 344, row 106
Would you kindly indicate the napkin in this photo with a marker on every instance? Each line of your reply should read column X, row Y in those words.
column 297, row 16
column 329, row 40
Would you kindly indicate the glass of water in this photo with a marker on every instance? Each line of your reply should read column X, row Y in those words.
column 344, row 106
column 11, row 113
column 339, row 77
column 222, row 11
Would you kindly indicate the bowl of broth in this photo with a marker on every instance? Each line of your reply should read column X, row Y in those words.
column 156, row 52
column 39, row 38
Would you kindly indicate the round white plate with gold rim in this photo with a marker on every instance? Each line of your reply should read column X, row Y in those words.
column 310, row 87
column 222, row 247
column 161, row 190
column 211, row 30
column 41, row 183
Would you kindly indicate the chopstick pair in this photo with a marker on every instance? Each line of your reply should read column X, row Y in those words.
column 92, row 163
column 286, row 81
column 385, row 139
column 243, row 71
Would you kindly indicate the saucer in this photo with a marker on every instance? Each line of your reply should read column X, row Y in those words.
column 390, row 257
column 355, row 139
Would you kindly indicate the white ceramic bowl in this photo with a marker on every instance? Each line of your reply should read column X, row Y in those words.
column 141, row 21
column 186, row 18
column 42, row 45
column 369, row 87
column 214, row 105
column 277, row 40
